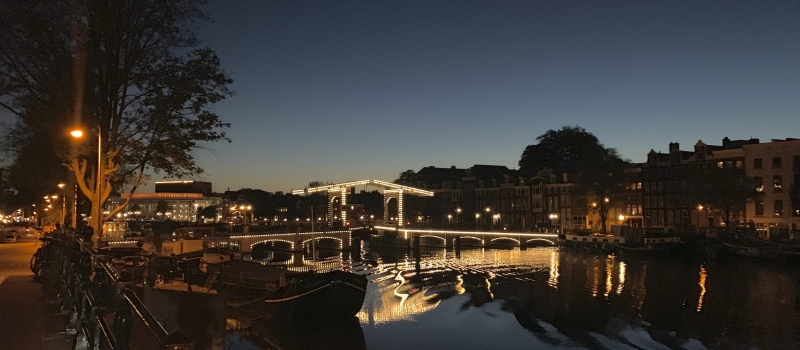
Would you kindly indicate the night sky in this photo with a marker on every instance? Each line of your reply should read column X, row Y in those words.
column 350, row 90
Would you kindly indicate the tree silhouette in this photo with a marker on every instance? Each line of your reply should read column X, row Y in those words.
column 407, row 177
column 128, row 73
column 209, row 212
column 596, row 169
column 726, row 190
column 162, row 207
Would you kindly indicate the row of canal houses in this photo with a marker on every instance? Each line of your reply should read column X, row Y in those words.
column 656, row 192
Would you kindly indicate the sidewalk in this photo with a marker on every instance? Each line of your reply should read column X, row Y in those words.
column 24, row 316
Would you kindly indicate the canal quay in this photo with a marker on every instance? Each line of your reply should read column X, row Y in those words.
column 549, row 298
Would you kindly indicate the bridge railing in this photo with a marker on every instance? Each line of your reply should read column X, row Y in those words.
column 88, row 289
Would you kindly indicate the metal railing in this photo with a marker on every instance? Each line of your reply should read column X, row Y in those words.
column 88, row 289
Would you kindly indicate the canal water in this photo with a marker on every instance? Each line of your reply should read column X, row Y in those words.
column 547, row 298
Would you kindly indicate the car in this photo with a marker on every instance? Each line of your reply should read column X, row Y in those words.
column 10, row 236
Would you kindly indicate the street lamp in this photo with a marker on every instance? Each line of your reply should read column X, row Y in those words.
column 61, row 186
column 458, row 214
column 449, row 218
column 553, row 217
column 699, row 208
column 78, row 134
column 477, row 217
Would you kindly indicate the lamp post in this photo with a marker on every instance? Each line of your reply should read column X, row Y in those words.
column 245, row 209
column 98, row 220
column 61, row 186
column 553, row 217
column 477, row 217
column 449, row 219
column 699, row 208
column 458, row 214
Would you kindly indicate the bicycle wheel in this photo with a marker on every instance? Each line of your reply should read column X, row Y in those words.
column 34, row 263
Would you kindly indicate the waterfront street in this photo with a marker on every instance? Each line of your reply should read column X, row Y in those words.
column 23, row 317
column 14, row 258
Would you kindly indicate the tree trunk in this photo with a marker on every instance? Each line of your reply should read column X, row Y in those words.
column 603, row 219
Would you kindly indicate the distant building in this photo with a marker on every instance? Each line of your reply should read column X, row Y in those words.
column 496, row 196
column 182, row 186
column 774, row 166
column 667, row 181
column 174, row 200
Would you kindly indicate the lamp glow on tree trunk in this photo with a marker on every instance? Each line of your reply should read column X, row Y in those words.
column 97, row 196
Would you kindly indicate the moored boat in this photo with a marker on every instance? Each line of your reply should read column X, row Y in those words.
column 288, row 297
column 651, row 245
column 595, row 241
column 780, row 252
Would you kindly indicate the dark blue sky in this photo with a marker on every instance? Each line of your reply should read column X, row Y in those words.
column 350, row 90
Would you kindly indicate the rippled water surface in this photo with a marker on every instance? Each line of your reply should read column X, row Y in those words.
column 549, row 298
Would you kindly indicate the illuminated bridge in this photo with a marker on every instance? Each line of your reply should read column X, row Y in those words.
column 342, row 240
column 293, row 242
column 449, row 238
column 338, row 192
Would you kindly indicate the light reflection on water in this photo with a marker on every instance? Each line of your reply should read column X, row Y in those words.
column 546, row 298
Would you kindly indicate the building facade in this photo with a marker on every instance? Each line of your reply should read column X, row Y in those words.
column 165, row 206
column 667, row 181
column 774, row 166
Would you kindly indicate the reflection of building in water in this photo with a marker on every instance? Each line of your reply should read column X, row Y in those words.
column 593, row 276
column 553, row 268
column 621, row 278
column 638, row 288
column 702, row 283
column 609, row 273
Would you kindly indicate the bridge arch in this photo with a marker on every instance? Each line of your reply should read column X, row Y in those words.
column 291, row 244
column 540, row 241
column 306, row 241
column 471, row 238
column 392, row 209
column 493, row 240
column 436, row 237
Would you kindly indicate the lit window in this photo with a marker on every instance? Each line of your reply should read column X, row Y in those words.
column 778, row 207
column 777, row 183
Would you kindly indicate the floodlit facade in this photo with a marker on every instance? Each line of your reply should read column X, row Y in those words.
column 165, row 206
